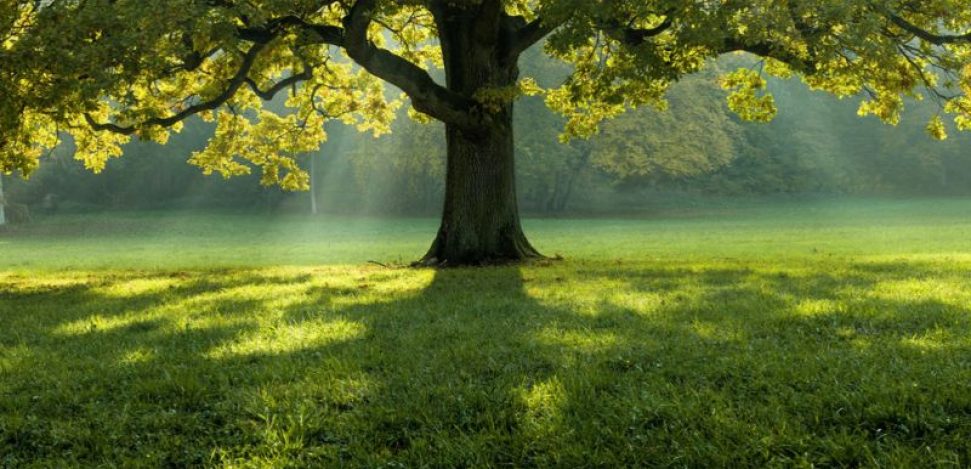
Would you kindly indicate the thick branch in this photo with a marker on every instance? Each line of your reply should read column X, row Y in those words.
column 528, row 34
column 326, row 34
column 636, row 36
column 426, row 95
column 923, row 34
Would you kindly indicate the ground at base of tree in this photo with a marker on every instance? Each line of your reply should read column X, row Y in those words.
column 853, row 351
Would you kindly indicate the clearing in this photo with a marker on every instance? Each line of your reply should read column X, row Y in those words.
column 826, row 333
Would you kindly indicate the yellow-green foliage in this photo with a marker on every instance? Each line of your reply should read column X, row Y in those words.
column 697, row 135
column 745, row 100
column 139, row 67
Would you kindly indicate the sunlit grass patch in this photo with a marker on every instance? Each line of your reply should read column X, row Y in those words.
column 289, row 338
column 97, row 324
column 136, row 286
column 818, row 307
column 544, row 402
column 947, row 289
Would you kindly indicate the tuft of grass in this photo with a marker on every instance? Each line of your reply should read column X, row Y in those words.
column 723, row 341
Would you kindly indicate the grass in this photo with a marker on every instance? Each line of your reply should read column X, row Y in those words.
column 827, row 334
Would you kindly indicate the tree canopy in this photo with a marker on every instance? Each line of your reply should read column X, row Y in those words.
column 103, row 71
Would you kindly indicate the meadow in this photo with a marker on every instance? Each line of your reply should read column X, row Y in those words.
column 819, row 333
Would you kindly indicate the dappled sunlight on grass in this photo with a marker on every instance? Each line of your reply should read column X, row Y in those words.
column 136, row 286
column 97, row 324
column 24, row 284
column 924, row 343
column 939, row 339
column 818, row 307
column 725, row 357
column 948, row 290
column 227, row 301
column 545, row 402
column 284, row 338
column 543, row 365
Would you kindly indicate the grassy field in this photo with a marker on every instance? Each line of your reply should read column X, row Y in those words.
column 833, row 333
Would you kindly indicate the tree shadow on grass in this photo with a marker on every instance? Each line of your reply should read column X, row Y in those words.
column 626, row 366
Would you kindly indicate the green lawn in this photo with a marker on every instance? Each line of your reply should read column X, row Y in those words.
column 831, row 333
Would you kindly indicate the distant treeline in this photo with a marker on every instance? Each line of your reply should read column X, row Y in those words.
column 817, row 145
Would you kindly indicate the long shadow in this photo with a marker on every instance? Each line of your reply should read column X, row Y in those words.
column 502, row 366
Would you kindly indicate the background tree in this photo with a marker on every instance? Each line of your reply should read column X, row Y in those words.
column 104, row 70
column 548, row 170
column 697, row 136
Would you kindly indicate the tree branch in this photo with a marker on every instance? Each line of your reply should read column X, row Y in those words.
column 636, row 36
column 772, row 51
column 327, row 34
column 923, row 34
column 233, row 86
column 426, row 95
column 269, row 94
column 528, row 34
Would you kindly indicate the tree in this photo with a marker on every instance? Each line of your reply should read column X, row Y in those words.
column 693, row 138
column 105, row 70
column 642, row 146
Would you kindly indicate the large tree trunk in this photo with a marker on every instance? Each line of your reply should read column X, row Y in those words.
column 480, row 221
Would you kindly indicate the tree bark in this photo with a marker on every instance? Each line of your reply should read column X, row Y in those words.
column 480, row 221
